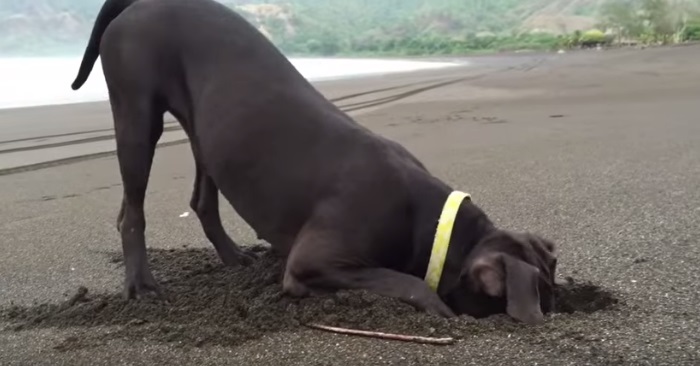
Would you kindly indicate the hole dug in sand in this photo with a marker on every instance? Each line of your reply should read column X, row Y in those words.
column 210, row 304
column 585, row 297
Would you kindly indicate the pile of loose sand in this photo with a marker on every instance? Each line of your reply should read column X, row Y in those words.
column 210, row 304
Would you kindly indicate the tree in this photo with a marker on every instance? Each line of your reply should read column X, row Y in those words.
column 624, row 16
column 658, row 14
column 691, row 31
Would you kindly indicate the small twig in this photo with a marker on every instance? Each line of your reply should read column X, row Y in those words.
column 397, row 337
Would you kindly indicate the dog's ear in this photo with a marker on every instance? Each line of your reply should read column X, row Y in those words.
column 523, row 298
column 501, row 274
column 549, row 245
column 552, row 250
column 488, row 274
column 547, row 251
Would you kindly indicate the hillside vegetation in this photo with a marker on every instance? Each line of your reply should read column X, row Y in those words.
column 392, row 27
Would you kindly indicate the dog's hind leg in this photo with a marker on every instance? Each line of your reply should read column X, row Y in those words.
column 205, row 202
column 138, row 124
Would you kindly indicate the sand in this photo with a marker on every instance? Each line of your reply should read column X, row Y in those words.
column 209, row 304
column 596, row 150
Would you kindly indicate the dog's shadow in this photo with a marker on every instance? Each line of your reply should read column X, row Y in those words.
column 210, row 304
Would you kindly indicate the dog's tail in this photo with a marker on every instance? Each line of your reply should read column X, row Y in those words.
column 110, row 10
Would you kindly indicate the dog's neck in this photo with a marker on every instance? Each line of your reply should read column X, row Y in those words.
column 471, row 224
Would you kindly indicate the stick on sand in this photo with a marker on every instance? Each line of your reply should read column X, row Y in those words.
column 398, row 337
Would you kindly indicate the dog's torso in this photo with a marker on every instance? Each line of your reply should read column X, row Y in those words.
column 276, row 148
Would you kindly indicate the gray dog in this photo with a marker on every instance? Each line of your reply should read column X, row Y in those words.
column 348, row 209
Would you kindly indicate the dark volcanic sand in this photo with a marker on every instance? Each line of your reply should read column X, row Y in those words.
column 211, row 304
column 598, row 151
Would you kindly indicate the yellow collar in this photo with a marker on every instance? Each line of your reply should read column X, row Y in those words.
column 442, row 238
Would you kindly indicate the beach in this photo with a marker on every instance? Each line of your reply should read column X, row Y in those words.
column 596, row 150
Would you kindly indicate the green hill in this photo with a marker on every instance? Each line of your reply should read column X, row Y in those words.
column 326, row 27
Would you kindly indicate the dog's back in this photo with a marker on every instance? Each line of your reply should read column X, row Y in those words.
column 201, row 41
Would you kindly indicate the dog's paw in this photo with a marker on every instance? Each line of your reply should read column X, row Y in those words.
column 237, row 257
column 248, row 257
column 142, row 287
column 442, row 310
column 435, row 306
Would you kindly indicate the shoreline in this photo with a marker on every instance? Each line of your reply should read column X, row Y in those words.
column 314, row 81
column 315, row 69
column 41, row 136
column 457, row 60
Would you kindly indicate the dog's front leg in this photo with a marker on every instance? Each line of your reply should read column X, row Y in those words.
column 300, row 281
column 324, row 258
column 391, row 283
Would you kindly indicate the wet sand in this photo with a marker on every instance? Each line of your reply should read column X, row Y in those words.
column 595, row 150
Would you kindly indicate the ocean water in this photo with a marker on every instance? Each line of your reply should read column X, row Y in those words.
column 40, row 81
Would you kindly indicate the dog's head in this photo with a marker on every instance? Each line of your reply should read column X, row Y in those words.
column 507, row 272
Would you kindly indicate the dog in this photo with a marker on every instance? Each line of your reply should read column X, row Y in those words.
column 346, row 208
